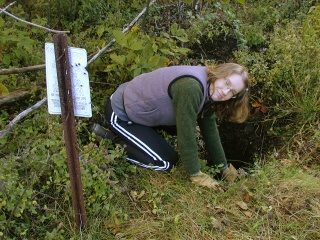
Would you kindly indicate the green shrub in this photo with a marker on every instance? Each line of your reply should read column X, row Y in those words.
column 137, row 53
column 35, row 183
column 295, row 53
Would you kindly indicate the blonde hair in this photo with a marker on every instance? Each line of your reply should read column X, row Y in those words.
column 234, row 109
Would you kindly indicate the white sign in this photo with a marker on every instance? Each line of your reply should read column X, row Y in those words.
column 79, row 81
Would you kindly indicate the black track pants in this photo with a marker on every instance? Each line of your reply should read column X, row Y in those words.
column 143, row 144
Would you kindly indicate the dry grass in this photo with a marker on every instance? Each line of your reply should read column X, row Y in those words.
column 304, row 147
column 274, row 202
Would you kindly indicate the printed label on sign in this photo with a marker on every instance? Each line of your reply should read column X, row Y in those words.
column 79, row 81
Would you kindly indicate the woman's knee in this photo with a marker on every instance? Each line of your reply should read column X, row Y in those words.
column 171, row 158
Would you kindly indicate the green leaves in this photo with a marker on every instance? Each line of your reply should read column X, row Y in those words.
column 120, row 38
column 1, row 22
column 18, row 47
column 137, row 53
column 127, row 41
column 178, row 33
column 100, row 30
column 118, row 59
column 241, row 1
column 136, row 45
column 3, row 90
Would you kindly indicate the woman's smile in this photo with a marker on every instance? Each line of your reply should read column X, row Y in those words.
column 224, row 89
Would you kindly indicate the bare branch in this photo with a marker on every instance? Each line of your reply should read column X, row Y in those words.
column 6, row 131
column 124, row 31
column 30, row 23
column 14, row 96
column 3, row 9
column 39, row 67
column 21, row 115
column 21, row 70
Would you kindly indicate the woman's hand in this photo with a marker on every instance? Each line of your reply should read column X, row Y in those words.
column 204, row 180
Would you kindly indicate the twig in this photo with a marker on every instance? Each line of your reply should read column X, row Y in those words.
column 124, row 31
column 30, row 23
column 313, row 151
column 3, row 9
column 21, row 70
column 6, row 131
column 39, row 67
column 14, row 96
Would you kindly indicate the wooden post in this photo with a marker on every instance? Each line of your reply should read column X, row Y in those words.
column 68, row 122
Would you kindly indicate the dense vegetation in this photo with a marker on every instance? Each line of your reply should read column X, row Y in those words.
column 278, row 194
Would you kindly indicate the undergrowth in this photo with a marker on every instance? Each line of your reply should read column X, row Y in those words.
column 278, row 198
column 274, row 201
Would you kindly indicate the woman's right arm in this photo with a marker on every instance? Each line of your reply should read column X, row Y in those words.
column 186, row 98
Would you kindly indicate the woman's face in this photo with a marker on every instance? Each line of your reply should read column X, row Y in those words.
column 224, row 89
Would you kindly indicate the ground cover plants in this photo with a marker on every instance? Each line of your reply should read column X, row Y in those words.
column 277, row 195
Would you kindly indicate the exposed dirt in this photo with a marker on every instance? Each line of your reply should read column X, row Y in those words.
column 242, row 142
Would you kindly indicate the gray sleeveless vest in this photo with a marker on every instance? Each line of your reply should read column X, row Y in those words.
column 147, row 100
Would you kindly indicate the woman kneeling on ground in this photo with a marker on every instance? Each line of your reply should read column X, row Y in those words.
column 178, row 97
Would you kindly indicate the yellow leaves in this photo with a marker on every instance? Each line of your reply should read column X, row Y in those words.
column 176, row 219
column 115, row 226
column 135, row 29
column 3, row 90
column 115, row 231
column 3, row 204
column 135, row 196
column 259, row 106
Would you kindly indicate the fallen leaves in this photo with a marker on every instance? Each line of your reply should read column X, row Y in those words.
column 242, row 205
column 135, row 196
column 259, row 106
column 216, row 224
column 114, row 226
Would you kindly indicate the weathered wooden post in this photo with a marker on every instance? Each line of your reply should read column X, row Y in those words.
column 68, row 122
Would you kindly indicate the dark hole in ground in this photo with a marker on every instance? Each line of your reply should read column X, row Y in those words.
column 241, row 142
column 220, row 48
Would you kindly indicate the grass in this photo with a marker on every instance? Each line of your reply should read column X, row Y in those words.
column 275, row 201
column 278, row 199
